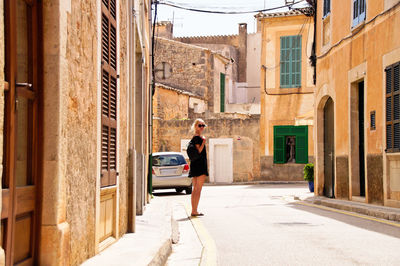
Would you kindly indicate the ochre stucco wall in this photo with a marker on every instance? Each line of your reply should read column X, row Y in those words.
column 338, row 70
column 278, row 109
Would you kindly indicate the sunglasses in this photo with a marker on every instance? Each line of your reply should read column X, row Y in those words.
column 201, row 125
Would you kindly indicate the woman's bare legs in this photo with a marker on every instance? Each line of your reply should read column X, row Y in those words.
column 197, row 186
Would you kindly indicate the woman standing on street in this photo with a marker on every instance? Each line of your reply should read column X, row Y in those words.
column 198, row 168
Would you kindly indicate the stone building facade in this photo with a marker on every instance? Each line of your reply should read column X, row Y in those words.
column 357, row 108
column 287, row 94
column 197, row 81
column 76, row 139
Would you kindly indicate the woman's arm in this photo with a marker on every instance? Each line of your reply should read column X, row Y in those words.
column 201, row 147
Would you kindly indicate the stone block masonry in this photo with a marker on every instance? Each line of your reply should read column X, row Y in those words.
column 244, row 132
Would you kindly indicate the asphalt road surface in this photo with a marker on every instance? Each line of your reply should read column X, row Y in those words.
column 263, row 225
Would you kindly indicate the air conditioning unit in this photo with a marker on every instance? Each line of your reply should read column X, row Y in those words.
column 289, row 2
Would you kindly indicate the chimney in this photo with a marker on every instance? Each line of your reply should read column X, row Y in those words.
column 164, row 29
column 242, row 64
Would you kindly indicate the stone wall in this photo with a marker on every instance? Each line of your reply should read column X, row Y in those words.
column 281, row 172
column 81, row 129
column 191, row 66
column 243, row 131
column 168, row 104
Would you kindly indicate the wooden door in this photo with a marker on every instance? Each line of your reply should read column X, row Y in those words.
column 361, row 137
column 329, row 150
column 19, row 216
column 222, row 174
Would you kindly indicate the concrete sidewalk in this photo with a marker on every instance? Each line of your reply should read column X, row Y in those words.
column 150, row 245
column 381, row 212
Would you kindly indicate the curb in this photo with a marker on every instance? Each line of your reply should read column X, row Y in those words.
column 162, row 255
column 257, row 183
column 381, row 212
column 165, row 250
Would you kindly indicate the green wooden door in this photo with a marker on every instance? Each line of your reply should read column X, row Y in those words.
column 222, row 92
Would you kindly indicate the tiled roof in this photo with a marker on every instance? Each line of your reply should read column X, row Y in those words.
column 290, row 13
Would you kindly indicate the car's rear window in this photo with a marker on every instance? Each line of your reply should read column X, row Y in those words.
column 168, row 160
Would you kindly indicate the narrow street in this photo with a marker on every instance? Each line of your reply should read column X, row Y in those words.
column 264, row 225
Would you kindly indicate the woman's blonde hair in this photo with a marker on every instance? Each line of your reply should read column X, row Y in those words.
column 196, row 122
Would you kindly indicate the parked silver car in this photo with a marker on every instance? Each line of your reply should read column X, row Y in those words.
column 170, row 170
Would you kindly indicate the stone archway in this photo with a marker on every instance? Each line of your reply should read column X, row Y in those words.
column 324, row 95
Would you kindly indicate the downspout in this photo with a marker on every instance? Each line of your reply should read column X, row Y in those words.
column 313, row 57
column 132, row 86
column 151, row 93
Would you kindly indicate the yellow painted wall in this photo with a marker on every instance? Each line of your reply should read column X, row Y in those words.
column 359, row 57
column 283, row 109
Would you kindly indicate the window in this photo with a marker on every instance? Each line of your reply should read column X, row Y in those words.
column 327, row 7
column 109, row 113
column 393, row 108
column 359, row 11
column 291, row 61
column 168, row 160
column 290, row 144
column 222, row 92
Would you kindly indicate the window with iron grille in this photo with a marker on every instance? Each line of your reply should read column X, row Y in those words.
column 327, row 7
column 393, row 108
column 359, row 11
column 290, row 61
column 109, row 113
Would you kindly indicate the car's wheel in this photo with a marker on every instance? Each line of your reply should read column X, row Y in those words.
column 188, row 190
column 179, row 190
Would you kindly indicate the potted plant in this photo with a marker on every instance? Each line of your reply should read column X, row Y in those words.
column 309, row 175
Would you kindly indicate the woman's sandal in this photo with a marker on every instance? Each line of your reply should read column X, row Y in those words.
column 197, row 214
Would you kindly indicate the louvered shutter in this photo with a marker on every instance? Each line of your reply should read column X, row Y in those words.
column 359, row 11
column 279, row 149
column 301, row 144
column 327, row 7
column 109, row 114
column 222, row 92
column 393, row 108
column 290, row 71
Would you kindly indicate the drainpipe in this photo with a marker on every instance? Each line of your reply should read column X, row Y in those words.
column 151, row 93
column 131, row 170
column 313, row 57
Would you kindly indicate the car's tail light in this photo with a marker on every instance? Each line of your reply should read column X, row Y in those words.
column 152, row 171
column 186, row 168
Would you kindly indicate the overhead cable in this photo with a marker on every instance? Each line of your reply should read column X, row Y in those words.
column 172, row 4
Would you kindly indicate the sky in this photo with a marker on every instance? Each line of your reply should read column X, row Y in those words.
column 189, row 23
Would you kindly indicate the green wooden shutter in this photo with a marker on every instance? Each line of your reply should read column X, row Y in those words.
column 222, row 92
column 279, row 147
column 302, row 144
column 285, row 61
column 290, row 71
column 296, row 62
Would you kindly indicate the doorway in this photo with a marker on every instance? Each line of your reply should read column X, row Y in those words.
column 221, row 160
column 20, row 214
column 361, row 137
column 329, row 149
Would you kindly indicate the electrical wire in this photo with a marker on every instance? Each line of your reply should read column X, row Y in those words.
column 268, row 69
column 172, row 4
column 357, row 31
column 306, row 20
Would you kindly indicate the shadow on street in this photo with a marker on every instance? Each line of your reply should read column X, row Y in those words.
column 351, row 220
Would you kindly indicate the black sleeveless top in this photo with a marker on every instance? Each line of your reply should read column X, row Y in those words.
column 199, row 167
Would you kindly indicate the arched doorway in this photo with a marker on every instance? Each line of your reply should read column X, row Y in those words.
column 329, row 149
